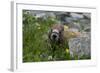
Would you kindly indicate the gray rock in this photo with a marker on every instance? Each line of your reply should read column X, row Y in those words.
column 80, row 46
column 69, row 19
column 88, row 15
column 50, row 14
column 85, row 24
column 76, row 15
column 73, row 30
column 74, row 25
column 85, row 21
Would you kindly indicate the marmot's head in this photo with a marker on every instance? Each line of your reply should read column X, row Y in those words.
column 59, row 33
column 56, row 32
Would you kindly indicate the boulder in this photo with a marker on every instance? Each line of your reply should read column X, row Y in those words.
column 80, row 46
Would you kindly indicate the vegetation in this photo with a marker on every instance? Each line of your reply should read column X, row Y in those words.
column 36, row 46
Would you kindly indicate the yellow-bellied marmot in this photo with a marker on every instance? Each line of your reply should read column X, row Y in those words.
column 60, row 33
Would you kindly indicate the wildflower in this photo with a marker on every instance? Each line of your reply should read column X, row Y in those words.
column 37, row 24
column 67, row 50
column 39, row 28
column 52, row 19
column 65, row 28
column 49, row 57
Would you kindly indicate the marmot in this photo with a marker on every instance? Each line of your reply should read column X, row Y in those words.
column 60, row 33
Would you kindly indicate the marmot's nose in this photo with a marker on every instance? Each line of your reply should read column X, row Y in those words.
column 54, row 36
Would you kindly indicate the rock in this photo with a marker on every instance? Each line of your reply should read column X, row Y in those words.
column 76, row 15
column 27, row 12
column 85, row 24
column 87, row 29
column 69, row 20
column 50, row 14
column 73, row 29
column 80, row 46
column 74, row 25
column 40, row 15
column 61, row 16
column 87, row 15
column 85, row 21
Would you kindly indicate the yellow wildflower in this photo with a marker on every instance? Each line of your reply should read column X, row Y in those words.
column 37, row 24
column 39, row 28
column 65, row 28
column 67, row 50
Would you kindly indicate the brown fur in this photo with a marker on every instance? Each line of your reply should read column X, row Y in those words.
column 64, row 35
column 59, row 27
